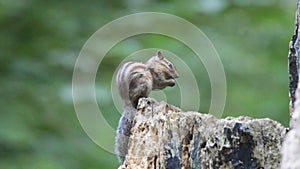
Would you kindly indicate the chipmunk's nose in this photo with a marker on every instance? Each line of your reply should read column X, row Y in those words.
column 176, row 74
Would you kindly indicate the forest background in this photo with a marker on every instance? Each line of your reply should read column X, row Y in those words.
column 40, row 41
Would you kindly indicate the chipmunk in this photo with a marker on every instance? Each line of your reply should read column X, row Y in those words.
column 134, row 81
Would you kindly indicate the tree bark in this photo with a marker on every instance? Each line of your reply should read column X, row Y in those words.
column 293, row 61
column 291, row 145
column 165, row 137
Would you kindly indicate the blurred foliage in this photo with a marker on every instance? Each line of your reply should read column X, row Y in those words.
column 40, row 41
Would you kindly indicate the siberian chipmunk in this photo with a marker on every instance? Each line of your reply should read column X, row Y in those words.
column 134, row 81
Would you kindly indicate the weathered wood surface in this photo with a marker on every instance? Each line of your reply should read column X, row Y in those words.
column 293, row 60
column 165, row 137
column 291, row 145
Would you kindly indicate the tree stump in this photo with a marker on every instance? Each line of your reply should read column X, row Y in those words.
column 163, row 136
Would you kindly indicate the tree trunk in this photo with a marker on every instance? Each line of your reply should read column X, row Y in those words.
column 291, row 145
column 293, row 61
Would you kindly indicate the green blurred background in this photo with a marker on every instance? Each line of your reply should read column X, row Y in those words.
column 40, row 41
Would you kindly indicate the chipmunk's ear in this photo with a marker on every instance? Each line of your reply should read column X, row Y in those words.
column 160, row 55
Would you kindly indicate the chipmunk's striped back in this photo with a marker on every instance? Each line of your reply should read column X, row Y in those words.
column 133, row 80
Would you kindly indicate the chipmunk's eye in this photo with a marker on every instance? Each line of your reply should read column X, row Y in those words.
column 170, row 65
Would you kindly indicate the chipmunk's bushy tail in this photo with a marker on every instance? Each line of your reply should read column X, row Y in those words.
column 123, row 133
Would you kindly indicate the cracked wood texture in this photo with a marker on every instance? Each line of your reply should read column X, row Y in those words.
column 293, row 60
column 163, row 136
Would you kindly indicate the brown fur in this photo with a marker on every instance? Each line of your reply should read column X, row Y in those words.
column 134, row 81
